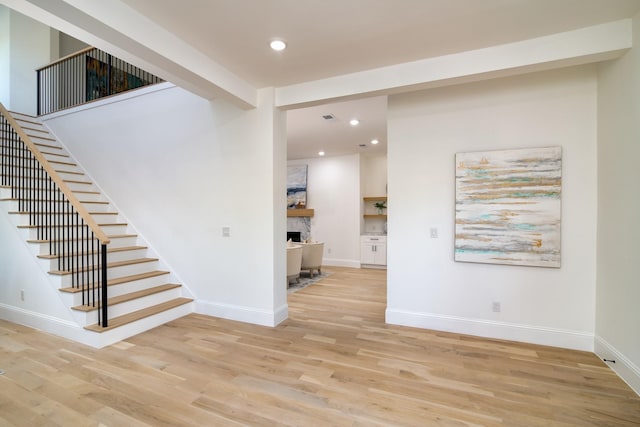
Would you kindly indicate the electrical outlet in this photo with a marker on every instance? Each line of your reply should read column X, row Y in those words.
column 496, row 307
column 433, row 233
column 329, row 250
column 226, row 231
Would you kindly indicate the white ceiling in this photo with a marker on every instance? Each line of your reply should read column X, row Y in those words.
column 334, row 37
column 308, row 132
column 326, row 38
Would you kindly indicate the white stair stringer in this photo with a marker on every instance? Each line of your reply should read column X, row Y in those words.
column 138, row 282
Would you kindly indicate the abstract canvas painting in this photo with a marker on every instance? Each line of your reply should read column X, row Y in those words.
column 296, row 186
column 508, row 207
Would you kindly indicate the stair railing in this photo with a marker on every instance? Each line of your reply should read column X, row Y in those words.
column 60, row 219
column 85, row 76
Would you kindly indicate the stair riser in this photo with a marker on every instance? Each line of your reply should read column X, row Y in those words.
column 5, row 193
column 84, row 185
column 89, row 318
column 75, row 299
column 117, row 272
column 72, row 176
column 21, row 165
column 98, row 217
column 64, row 167
column 97, row 207
column 121, row 242
column 116, row 242
column 138, row 285
column 90, row 197
column 80, row 186
column 32, row 233
column 111, row 257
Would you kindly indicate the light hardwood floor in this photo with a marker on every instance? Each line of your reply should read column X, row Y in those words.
column 334, row 362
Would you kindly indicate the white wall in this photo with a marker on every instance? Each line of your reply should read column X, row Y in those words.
column 69, row 45
column 618, row 293
column 21, row 272
column 333, row 191
column 426, row 288
column 30, row 48
column 5, row 52
column 181, row 168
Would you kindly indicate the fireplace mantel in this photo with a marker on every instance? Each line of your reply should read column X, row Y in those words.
column 299, row 212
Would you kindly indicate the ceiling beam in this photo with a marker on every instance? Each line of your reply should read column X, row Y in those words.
column 586, row 45
column 121, row 31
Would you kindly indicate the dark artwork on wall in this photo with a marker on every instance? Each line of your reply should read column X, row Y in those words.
column 102, row 81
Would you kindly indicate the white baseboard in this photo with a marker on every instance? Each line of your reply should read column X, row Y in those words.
column 243, row 314
column 42, row 322
column 336, row 262
column 576, row 340
column 626, row 369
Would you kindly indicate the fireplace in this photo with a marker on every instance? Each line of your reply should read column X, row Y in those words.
column 294, row 236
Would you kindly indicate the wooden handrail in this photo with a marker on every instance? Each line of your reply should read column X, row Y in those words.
column 82, row 211
column 64, row 58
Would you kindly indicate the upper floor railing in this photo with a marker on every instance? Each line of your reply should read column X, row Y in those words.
column 85, row 76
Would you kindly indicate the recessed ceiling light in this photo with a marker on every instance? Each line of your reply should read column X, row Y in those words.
column 320, row 153
column 374, row 141
column 277, row 45
column 354, row 122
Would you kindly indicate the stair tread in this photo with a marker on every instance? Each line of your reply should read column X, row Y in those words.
column 58, row 162
column 58, row 171
column 73, row 181
column 59, row 213
column 113, row 236
column 109, row 265
column 109, row 251
column 121, row 280
column 93, row 202
column 26, row 128
column 130, row 296
column 34, row 227
column 52, row 190
column 140, row 314
column 42, row 137
column 40, row 144
column 54, row 154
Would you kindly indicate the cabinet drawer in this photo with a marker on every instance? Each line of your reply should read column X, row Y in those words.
column 373, row 239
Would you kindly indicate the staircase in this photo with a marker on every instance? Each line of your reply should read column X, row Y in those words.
column 142, row 293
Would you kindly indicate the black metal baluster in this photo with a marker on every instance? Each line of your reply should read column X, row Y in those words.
column 103, row 297
column 94, row 262
column 69, row 233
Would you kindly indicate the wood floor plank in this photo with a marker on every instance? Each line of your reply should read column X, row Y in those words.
column 334, row 362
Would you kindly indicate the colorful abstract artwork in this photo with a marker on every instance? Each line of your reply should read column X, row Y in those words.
column 97, row 79
column 508, row 206
column 103, row 80
column 296, row 186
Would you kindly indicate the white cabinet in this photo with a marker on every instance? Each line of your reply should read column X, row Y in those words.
column 373, row 250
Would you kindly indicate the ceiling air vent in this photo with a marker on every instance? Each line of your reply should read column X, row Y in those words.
column 328, row 116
